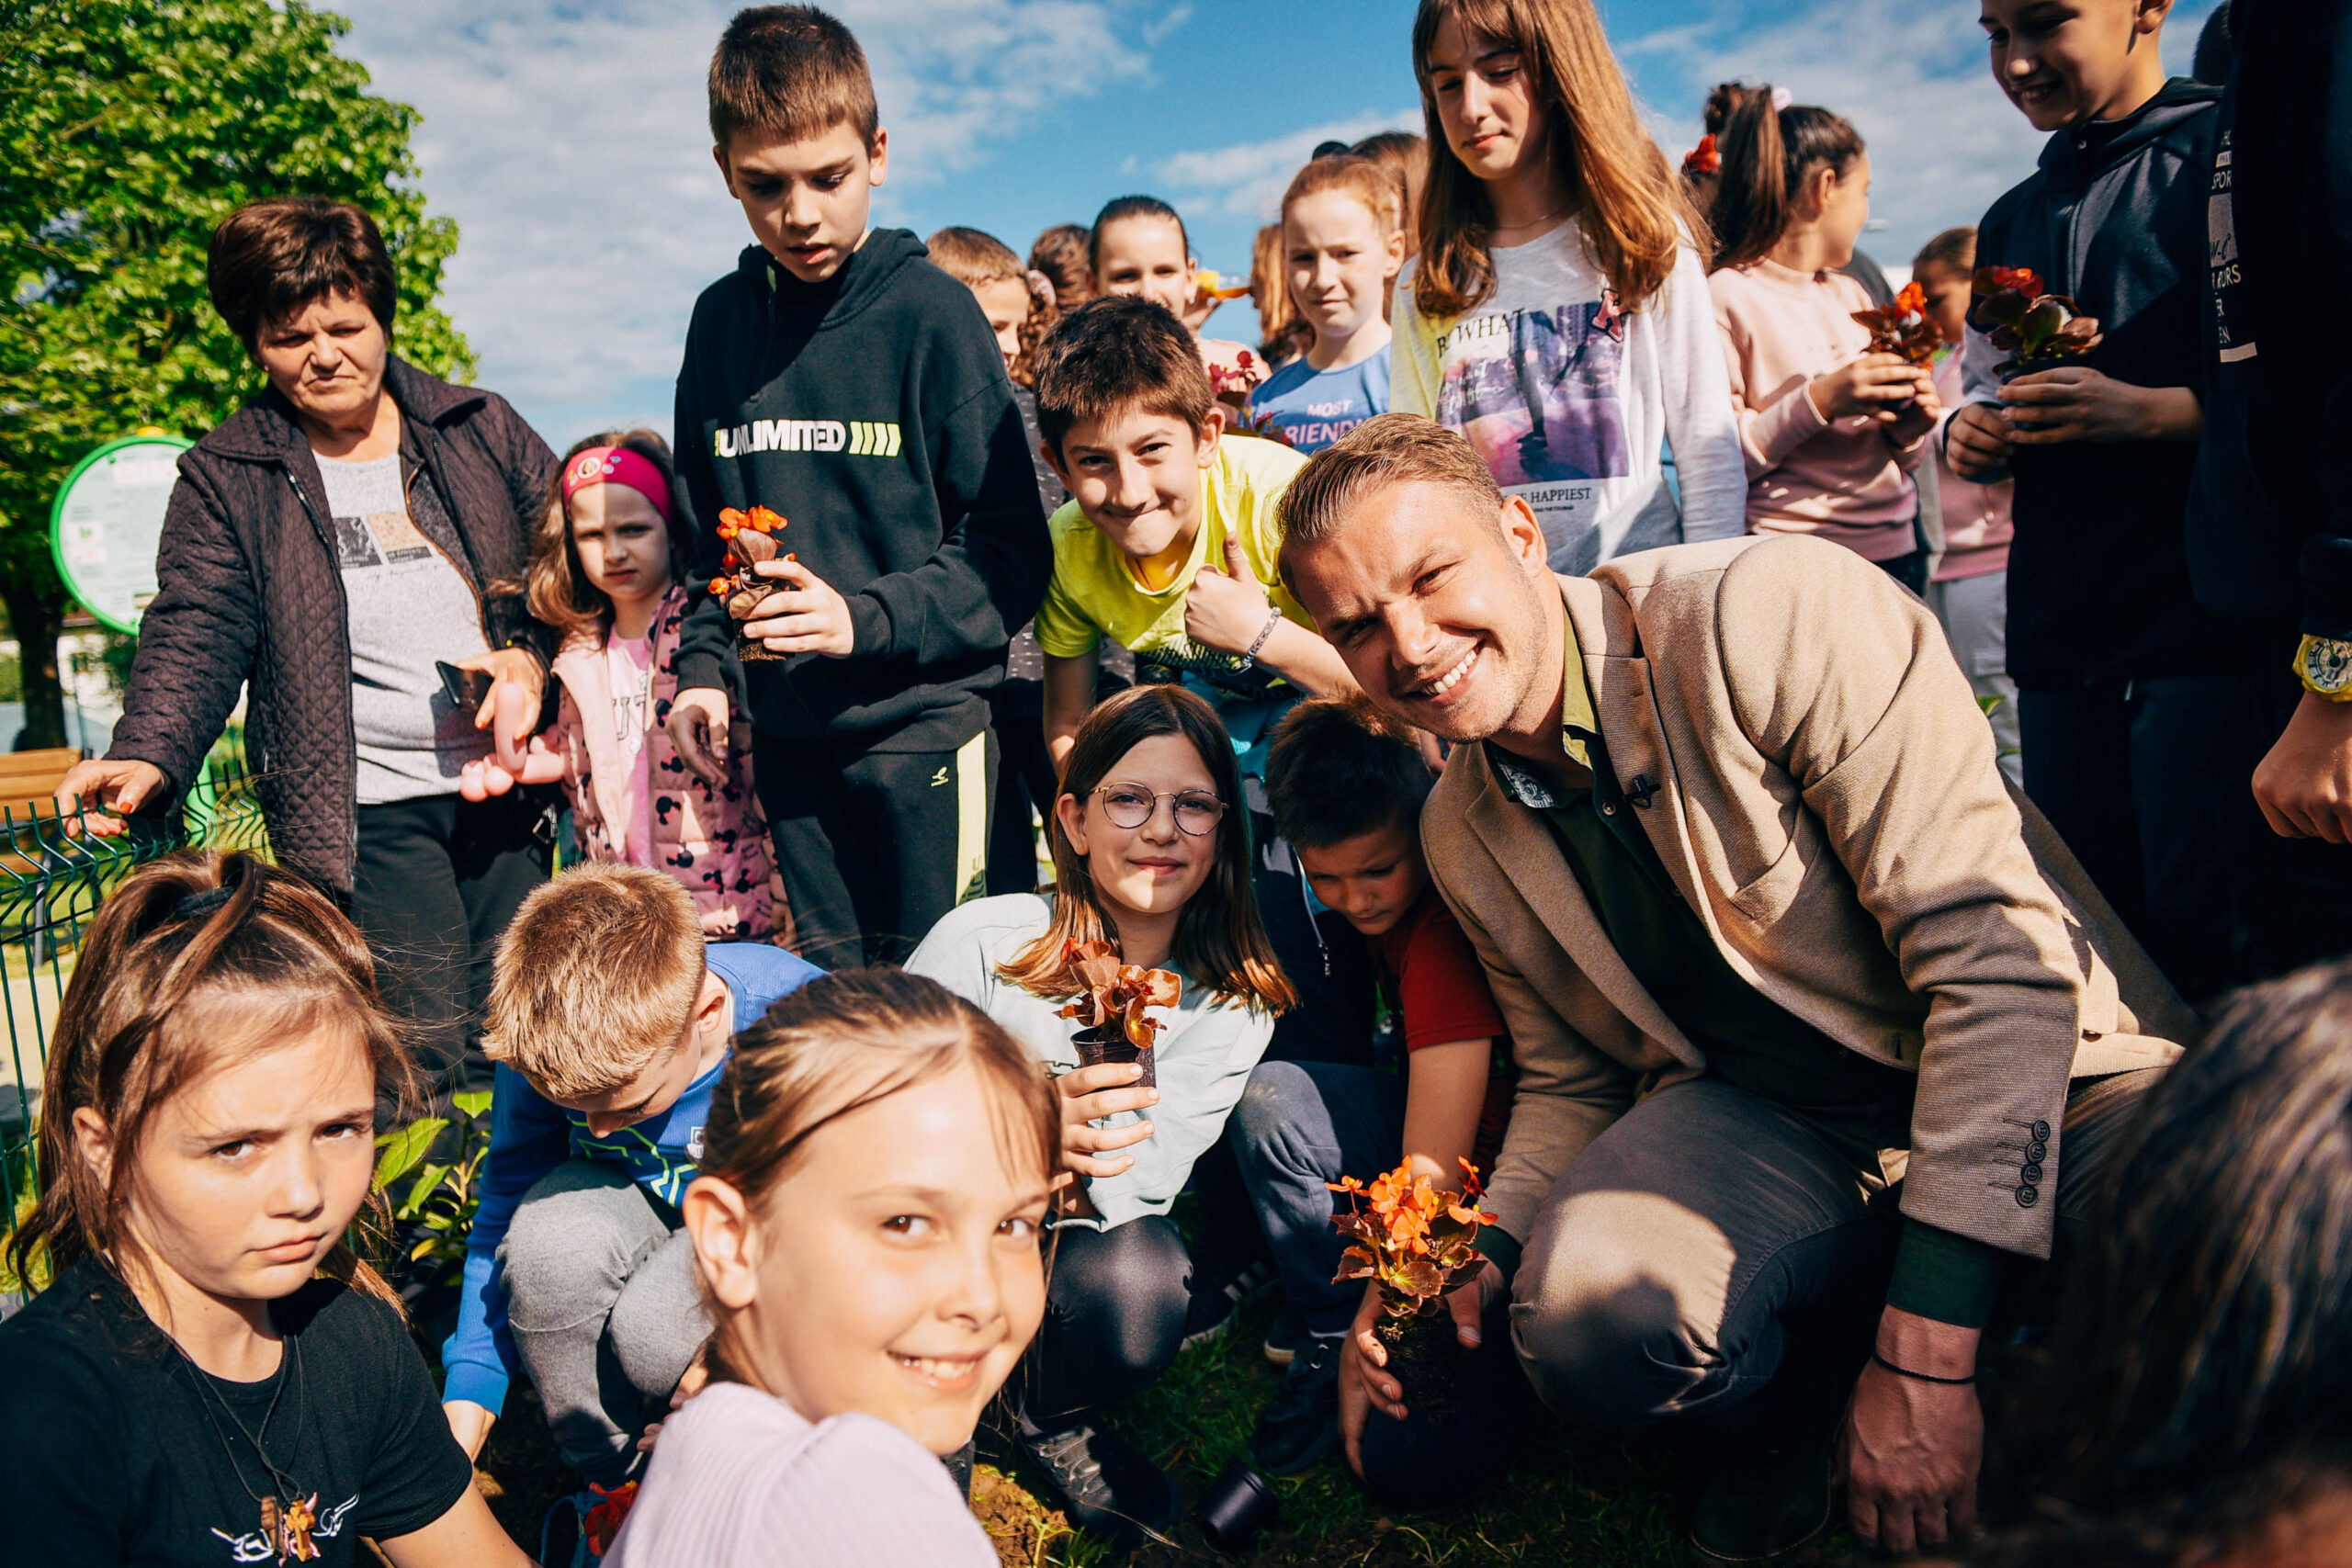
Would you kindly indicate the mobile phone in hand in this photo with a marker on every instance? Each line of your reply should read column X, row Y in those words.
column 468, row 689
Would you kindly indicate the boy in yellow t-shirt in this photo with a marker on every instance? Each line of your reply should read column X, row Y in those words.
column 1168, row 544
column 1167, row 547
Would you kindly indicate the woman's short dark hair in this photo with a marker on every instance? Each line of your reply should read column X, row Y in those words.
column 271, row 260
column 2198, row 1383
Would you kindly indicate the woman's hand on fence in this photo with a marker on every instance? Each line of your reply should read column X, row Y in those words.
column 1088, row 1094
column 470, row 1424
column 697, row 727
column 121, row 786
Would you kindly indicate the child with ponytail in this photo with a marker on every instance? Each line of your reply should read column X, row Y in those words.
column 210, row 1375
column 1558, row 315
column 1830, row 431
column 609, row 565
column 866, row 1228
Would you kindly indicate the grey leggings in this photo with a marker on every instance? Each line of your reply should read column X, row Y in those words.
column 605, row 1310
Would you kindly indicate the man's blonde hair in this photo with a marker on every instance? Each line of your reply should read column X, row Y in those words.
column 1387, row 449
column 596, row 979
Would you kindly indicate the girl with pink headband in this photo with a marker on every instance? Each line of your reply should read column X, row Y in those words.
column 609, row 564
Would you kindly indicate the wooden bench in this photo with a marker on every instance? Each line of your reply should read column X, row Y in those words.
column 29, row 779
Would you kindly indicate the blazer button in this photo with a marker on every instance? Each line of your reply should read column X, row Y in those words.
column 2036, row 1150
column 2041, row 1132
column 2032, row 1171
column 1609, row 809
column 2028, row 1195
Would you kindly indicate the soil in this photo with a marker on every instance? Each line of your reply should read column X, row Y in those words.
column 1426, row 1357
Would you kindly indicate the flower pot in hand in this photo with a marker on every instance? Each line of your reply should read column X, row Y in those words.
column 749, row 537
column 1109, row 1042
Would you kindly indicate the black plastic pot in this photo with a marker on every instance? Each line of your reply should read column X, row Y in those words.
column 1109, row 1042
column 1238, row 1504
column 1425, row 1355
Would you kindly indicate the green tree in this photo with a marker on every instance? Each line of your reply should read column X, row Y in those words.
column 129, row 128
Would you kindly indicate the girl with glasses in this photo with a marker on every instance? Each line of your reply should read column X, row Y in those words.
column 1150, row 853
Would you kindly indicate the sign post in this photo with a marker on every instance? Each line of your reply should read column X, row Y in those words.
column 107, row 521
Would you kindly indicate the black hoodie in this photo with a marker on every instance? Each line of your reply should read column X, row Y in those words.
column 2271, row 529
column 2099, row 576
column 871, row 410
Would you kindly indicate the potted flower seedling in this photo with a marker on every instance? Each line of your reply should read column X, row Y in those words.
column 749, row 537
column 2037, row 331
column 1417, row 1246
column 1903, row 328
column 1112, row 1007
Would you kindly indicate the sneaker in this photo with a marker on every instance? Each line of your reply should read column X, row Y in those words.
column 1287, row 1337
column 1212, row 1305
column 1301, row 1423
column 1762, row 1501
column 1103, row 1484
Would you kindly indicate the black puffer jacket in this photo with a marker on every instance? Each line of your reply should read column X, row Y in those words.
column 249, row 592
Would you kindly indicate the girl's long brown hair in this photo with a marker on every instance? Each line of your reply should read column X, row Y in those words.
column 1768, row 154
column 557, row 590
column 155, row 993
column 1220, row 942
column 843, row 1041
column 1629, row 205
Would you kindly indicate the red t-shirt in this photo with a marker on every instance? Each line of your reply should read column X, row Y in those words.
column 1441, row 992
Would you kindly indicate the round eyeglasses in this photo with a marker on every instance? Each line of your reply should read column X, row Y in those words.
column 1130, row 806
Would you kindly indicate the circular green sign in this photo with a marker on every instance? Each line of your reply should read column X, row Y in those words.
column 108, row 520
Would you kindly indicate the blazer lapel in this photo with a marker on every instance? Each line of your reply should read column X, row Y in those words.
column 1540, row 874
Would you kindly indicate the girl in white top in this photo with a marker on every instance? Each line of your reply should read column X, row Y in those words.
column 1151, row 851
column 1558, row 315
column 866, row 1227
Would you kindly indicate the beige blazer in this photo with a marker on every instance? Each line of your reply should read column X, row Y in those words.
column 1827, row 801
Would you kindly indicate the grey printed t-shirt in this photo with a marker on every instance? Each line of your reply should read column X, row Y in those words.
column 408, row 604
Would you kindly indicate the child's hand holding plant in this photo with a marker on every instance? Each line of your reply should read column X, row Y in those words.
column 1111, row 1003
column 1415, row 1246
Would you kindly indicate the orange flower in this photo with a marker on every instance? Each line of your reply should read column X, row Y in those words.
column 717, row 585
column 1704, row 158
column 1913, row 298
column 604, row 1520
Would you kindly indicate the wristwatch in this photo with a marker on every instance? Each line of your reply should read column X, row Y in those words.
column 2324, row 664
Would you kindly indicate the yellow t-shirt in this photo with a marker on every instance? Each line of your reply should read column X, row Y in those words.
column 1094, row 592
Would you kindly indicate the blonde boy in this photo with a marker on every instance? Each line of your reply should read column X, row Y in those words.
column 609, row 1020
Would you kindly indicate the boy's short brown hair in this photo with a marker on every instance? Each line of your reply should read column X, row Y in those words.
column 789, row 72
column 1338, row 768
column 596, row 979
column 1119, row 354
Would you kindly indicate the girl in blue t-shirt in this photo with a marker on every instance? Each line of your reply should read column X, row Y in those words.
column 1343, row 242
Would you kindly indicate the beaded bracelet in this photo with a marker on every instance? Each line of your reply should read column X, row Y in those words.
column 1273, row 619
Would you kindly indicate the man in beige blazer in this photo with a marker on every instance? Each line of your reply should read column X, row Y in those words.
column 1772, row 935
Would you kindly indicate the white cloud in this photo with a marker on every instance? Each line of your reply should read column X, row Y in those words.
column 1175, row 17
column 572, row 148
column 1248, row 178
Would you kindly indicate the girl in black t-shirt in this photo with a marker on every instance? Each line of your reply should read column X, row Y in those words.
column 211, row 1377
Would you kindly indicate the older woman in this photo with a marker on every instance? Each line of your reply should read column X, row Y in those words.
column 356, row 521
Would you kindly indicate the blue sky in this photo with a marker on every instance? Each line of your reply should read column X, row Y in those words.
column 568, row 136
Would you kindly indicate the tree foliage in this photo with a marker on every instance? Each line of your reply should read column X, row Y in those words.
column 129, row 128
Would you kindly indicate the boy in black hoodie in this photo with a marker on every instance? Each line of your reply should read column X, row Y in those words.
column 838, row 378
column 2135, row 707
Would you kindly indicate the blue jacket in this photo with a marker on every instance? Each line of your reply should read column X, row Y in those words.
column 530, row 1135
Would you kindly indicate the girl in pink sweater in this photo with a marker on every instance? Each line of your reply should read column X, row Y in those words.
column 606, row 568
column 1831, row 431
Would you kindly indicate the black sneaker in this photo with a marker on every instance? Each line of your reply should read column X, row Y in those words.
column 1287, row 1337
column 1103, row 1484
column 1301, row 1423
column 1210, row 1311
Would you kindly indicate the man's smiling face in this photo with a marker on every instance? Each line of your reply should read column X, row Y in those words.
column 1437, row 609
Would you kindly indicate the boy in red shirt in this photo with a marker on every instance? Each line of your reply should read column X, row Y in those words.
column 1346, row 785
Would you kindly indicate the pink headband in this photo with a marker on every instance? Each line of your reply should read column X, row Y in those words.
column 618, row 466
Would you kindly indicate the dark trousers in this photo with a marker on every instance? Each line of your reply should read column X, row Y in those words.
column 874, row 846
column 2148, row 783
column 1299, row 1126
column 1114, row 1318
column 1024, row 782
column 435, row 882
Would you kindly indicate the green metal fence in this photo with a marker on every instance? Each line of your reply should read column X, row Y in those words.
column 52, row 879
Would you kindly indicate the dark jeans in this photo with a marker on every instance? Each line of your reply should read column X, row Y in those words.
column 1114, row 1318
column 2147, row 782
column 1911, row 571
column 434, row 884
column 1299, row 1125
column 874, row 846
column 1024, row 782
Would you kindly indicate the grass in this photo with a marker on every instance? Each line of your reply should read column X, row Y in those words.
column 1558, row 1502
